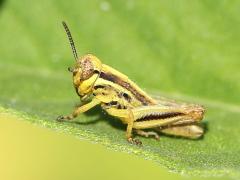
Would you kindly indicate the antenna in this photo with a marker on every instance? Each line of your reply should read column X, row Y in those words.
column 70, row 40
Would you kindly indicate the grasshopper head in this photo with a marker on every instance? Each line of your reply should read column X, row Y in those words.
column 85, row 73
column 86, row 70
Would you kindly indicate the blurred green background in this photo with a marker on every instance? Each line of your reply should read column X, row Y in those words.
column 186, row 49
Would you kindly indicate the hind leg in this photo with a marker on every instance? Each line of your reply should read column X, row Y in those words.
column 188, row 131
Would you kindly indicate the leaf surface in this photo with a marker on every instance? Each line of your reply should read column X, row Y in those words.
column 187, row 50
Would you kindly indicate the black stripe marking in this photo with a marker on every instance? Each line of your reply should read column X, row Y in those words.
column 115, row 79
column 115, row 104
column 160, row 116
column 99, row 87
column 126, row 97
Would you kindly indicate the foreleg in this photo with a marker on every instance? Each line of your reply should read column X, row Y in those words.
column 79, row 109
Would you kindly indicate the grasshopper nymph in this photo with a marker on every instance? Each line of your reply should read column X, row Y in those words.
column 99, row 84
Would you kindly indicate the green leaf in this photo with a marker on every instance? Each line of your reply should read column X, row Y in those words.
column 187, row 50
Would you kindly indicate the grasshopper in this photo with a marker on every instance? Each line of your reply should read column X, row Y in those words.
column 99, row 84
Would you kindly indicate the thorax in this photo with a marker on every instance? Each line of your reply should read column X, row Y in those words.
column 115, row 89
